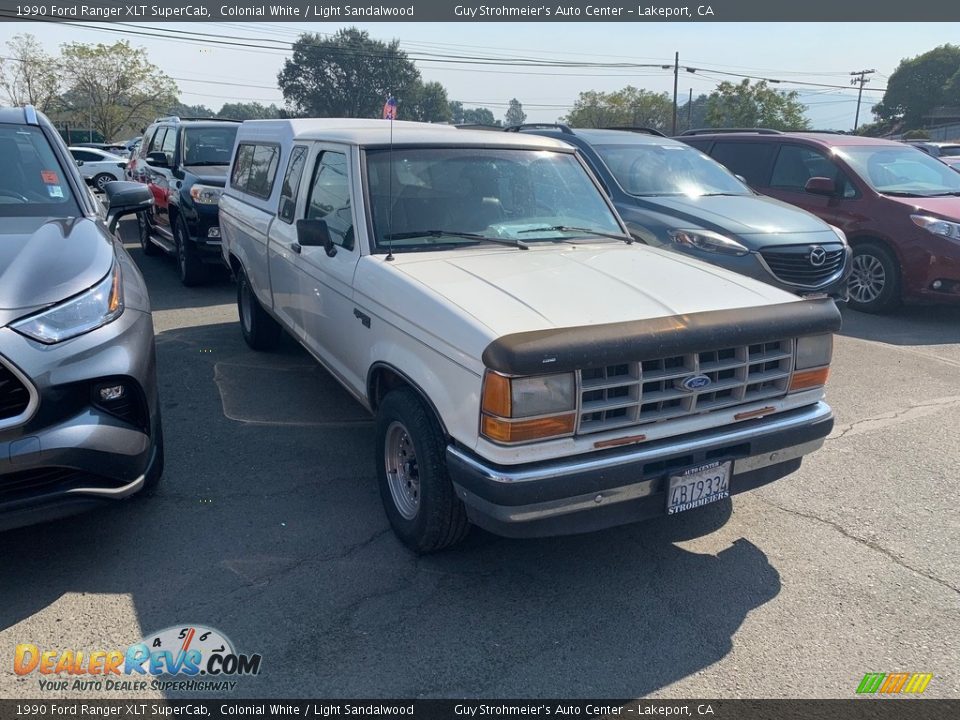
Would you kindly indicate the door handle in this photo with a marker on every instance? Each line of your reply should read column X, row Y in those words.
column 363, row 318
column 295, row 246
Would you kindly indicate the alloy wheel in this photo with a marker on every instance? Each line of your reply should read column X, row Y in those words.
column 403, row 478
column 867, row 278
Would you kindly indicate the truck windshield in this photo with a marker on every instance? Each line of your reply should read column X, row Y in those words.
column 209, row 145
column 650, row 169
column 903, row 171
column 439, row 198
column 32, row 182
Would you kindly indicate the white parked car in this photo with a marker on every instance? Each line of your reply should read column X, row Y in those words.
column 532, row 369
column 99, row 167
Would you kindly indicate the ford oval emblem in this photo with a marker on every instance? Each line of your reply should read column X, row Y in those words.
column 694, row 382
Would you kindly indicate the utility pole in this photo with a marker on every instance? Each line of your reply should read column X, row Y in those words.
column 690, row 111
column 860, row 79
column 676, row 77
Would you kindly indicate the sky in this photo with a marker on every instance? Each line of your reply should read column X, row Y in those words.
column 824, row 53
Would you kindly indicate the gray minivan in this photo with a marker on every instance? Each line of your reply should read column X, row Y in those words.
column 673, row 196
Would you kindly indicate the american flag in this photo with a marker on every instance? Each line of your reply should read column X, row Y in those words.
column 390, row 108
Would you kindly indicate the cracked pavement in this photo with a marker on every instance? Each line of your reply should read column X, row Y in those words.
column 268, row 527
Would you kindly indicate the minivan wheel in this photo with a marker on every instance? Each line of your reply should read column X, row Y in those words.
column 874, row 283
column 418, row 496
column 192, row 270
column 143, row 228
column 260, row 331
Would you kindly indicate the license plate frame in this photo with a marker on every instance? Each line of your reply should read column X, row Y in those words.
column 698, row 486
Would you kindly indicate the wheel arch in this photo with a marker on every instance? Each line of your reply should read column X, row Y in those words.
column 383, row 377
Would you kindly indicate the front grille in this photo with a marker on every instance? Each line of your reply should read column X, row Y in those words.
column 14, row 395
column 641, row 392
column 795, row 264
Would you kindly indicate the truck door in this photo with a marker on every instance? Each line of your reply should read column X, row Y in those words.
column 334, row 327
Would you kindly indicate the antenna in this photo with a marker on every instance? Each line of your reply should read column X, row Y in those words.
column 390, row 112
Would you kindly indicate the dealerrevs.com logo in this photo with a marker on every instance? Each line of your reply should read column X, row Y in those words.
column 189, row 657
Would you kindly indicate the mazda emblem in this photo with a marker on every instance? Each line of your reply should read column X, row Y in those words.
column 818, row 256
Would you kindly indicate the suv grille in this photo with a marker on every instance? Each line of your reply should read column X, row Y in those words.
column 14, row 395
column 635, row 393
column 796, row 265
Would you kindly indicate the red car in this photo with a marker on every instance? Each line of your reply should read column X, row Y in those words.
column 899, row 207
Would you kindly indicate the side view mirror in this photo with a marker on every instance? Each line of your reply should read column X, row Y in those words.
column 79, row 163
column 315, row 233
column 157, row 159
column 125, row 198
column 821, row 186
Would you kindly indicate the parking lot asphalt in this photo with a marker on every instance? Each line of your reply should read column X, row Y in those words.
column 268, row 526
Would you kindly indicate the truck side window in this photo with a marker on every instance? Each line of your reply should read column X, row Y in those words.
column 330, row 198
column 291, row 184
column 157, row 141
column 169, row 147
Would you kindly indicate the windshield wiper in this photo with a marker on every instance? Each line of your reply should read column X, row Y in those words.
column 455, row 233
column 902, row 193
column 569, row 228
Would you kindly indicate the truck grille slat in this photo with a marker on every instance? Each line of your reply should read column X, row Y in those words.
column 650, row 391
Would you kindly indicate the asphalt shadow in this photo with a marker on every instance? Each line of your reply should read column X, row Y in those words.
column 906, row 325
column 273, row 532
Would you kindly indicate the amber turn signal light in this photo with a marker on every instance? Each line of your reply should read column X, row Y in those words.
column 496, row 394
column 806, row 379
column 507, row 431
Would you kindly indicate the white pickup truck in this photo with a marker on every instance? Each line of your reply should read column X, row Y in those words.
column 532, row 369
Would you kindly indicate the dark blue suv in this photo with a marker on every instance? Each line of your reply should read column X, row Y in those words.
column 671, row 195
column 185, row 162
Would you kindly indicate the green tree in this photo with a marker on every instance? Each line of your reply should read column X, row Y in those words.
column 480, row 116
column 693, row 114
column 756, row 105
column 515, row 114
column 629, row 107
column 114, row 87
column 182, row 110
column 249, row 111
column 428, row 102
column 456, row 112
column 347, row 75
column 920, row 84
column 28, row 75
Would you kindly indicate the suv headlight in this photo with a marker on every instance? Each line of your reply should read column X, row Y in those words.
column 944, row 228
column 707, row 241
column 93, row 308
column 205, row 194
column 839, row 233
column 524, row 409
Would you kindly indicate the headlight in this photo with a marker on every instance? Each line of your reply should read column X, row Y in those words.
column 205, row 194
column 707, row 241
column 813, row 362
column 101, row 304
column 839, row 233
column 523, row 409
column 944, row 228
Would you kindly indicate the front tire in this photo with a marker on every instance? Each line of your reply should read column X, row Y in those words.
column 260, row 331
column 143, row 228
column 415, row 488
column 874, row 283
column 192, row 270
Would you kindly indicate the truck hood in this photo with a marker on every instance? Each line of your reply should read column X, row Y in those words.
column 215, row 175
column 44, row 261
column 740, row 215
column 560, row 286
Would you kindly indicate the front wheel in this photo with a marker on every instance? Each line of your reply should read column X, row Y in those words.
column 874, row 283
column 143, row 229
column 418, row 496
column 101, row 180
column 192, row 270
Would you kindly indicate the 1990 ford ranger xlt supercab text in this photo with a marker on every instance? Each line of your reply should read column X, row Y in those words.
column 531, row 369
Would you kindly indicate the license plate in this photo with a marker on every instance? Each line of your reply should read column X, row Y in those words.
column 698, row 486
